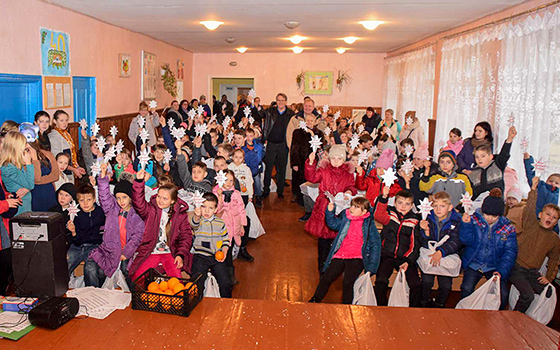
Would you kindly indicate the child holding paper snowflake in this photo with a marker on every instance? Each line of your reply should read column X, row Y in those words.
column 151, row 119
column 65, row 194
column 124, row 163
column 482, row 136
column 548, row 192
column 242, row 174
column 195, row 181
column 372, row 182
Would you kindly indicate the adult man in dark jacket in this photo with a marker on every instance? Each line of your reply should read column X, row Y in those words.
column 276, row 121
column 371, row 119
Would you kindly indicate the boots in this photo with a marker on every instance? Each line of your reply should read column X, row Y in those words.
column 244, row 254
column 232, row 274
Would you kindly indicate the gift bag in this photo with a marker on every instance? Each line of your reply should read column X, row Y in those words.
column 310, row 189
column 256, row 229
column 487, row 297
column 76, row 282
column 400, row 292
column 543, row 306
column 211, row 287
column 116, row 281
column 449, row 265
column 363, row 291
column 341, row 201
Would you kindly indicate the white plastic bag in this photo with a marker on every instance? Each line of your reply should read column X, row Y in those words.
column 449, row 265
column 363, row 291
column 400, row 292
column 341, row 201
column 256, row 228
column 116, row 281
column 211, row 287
column 76, row 282
column 310, row 189
column 487, row 297
column 542, row 308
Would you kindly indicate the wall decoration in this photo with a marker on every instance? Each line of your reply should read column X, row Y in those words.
column 180, row 70
column 342, row 78
column 180, row 90
column 55, row 53
column 57, row 92
column 149, row 76
column 124, row 65
column 169, row 80
column 300, row 79
column 318, row 83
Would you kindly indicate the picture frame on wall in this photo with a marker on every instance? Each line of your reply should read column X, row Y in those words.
column 149, row 76
column 125, row 70
column 55, row 53
column 318, row 83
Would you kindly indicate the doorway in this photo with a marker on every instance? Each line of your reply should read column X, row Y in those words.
column 85, row 106
column 21, row 96
column 233, row 88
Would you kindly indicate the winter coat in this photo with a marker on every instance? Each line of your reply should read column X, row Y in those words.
column 415, row 132
column 455, row 185
column 301, row 149
column 371, row 123
column 485, row 179
column 456, row 147
column 89, row 227
column 108, row 254
column 371, row 249
column 254, row 157
column 181, row 238
column 244, row 176
column 450, row 227
column 400, row 237
column 270, row 117
column 373, row 186
column 465, row 158
column 503, row 243
column 233, row 213
column 152, row 122
column 330, row 179
column 186, row 177
column 395, row 128
column 545, row 193
column 14, row 179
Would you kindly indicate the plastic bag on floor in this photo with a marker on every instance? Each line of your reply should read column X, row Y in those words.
column 543, row 306
column 256, row 228
column 400, row 292
column 363, row 291
column 116, row 281
column 76, row 282
column 310, row 189
column 449, row 265
column 211, row 287
column 235, row 251
column 487, row 297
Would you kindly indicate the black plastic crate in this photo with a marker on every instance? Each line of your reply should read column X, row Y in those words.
column 177, row 304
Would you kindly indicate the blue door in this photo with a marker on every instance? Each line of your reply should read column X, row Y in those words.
column 20, row 97
column 84, row 99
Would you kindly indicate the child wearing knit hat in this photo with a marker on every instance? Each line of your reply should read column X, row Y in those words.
column 514, row 208
column 490, row 246
column 372, row 183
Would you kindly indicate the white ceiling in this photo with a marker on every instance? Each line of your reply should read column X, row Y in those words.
column 259, row 24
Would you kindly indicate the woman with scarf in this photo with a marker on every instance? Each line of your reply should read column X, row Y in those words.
column 61, row 142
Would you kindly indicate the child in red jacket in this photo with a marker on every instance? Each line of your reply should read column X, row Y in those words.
column 8, row 209
column 372, row 183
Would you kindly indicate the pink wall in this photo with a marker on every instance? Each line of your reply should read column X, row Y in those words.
column 276, row 72
column 94, row 49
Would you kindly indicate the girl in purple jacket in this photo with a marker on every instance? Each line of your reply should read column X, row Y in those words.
column 123, row 228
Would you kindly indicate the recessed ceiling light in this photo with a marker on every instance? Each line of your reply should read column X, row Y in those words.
column 296, row 39
column 371, row 25
column 291, row 24
column 242, row 49
column 341, row 50
column 297, row 49
column 211, row 25
column 350, row 40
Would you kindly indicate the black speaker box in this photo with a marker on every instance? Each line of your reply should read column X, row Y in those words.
column 54, row 312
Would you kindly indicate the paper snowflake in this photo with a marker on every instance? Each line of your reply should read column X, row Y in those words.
column 388, row 131
column 226, row 122
column 409, row 121
column 114, row 131
column 101, row 143
column 167, row 155
column 213, row 119
column 240, row 125
column 441, row 144
column 73, row 210
column 540, row 166
column 95, row 129
column 178, row 133
column 144, row 135
column 407, row 166
column 302, row 125
column 466, row 201
column 221, row 178
column 336, row 115
column 83, row 124
column 171, row 123
column 315, row 143
column 511, row 120
column 425, row 208
column 247, row 111
column 230, row 136
column 251, row 120
column 325, row 108
column 200, row 110
column 354, row 142
column 525, row 144
column 373, row 150
column 408, row 149
column 110, row 154
column 362, row 156
column 252, row 93
column 327, row 131
column 389, row 177
column 95, row 169
column 197, row 199
column 144, row 158
column 153, row 104
column 200, row 129
column 120, row 146
column 191, row 114
column 141, row 121
column 361, row 129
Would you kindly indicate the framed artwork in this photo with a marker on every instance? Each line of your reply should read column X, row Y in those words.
column 149, row 76
column 124, row 65
column 318, row 83
column 180, row 70
column 55, row 53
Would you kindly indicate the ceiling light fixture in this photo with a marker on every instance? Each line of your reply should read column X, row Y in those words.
column 242, row 49
column 297, row 49
column 211, row 25
column 230, row 40
column 296, row 39
column 371, row 25
column 291, row 24
column 341, row 50
column 350, row 40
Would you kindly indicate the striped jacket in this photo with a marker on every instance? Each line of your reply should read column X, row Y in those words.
column 210, row 235
column 400, row 237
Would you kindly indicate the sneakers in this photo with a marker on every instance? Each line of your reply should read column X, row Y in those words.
column 305, row 217
column 244, row 255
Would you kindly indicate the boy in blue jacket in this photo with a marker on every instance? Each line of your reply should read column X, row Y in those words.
column 253, row 158
column 547, row 192
column 356, row 247
column 442, row 221
column 491, row 246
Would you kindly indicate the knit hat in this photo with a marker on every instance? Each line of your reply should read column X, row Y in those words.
column 515, row 192
column 494, row 203
column 449, row 154
column 68, row 188
column 123, row 187
column 385, row 160
column 338, row 151
column 422, row 152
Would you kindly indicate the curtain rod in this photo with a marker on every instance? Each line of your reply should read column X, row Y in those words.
column 415, row 49
column 509, row 18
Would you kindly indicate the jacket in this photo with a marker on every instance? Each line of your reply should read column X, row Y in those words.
column 515, row 216
column 233, row 213
column 152, row 122
column 373, row 186
column 181, row 238
column 450, row 227
column 210, row 235
column 395, row 128
column 465, row 158
column 415, row 132
column 485, row 179
column 546, row 193
column 108, row 254
column 188, row 183
column 89, row 227
column 254, row 156
column 14, row 179
column 301, row 148
column 371, row 123
column 400, row 235
column 371, row 250
column 244, row 176
column 333, row 180
column 270, row 117
column 456, row 147
column 7, row 213
column 455, row 185
column 503, row 243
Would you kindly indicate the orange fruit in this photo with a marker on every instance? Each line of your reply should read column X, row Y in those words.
column 150, row 300
column 178, row 287
column 163, row 286
column 177, row 303
column 193, row 289
column 172, row 283
column 219, row 255
column 153, row 287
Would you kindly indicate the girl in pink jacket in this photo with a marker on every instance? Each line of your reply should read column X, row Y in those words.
column 231, row 208
column 455, row 142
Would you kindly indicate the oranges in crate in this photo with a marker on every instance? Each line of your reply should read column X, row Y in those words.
column 165, row 290
column 193, row 292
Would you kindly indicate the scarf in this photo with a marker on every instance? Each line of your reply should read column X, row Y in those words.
column 475, row 143
column 66, row 135
column 227, row 196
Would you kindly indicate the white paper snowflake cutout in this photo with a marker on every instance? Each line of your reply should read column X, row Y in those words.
column 95, row 169
column 407, row 166
column 315, row 143
column 303, row 125
column 425, row 208
column 252, row 93
column 409, row 150
column 221, row 178
column 191, row 114
column 73, row 210
column 466, row 201
column 101, row 143
column 114, row 131
column 409, row 121
column 144, row 158
column 247, row 111
column 153, row 104
column 144, row 135
column 120, row 146
column 95, row 129
column 167, row 155
column 327, row 131
column 230, row 136
column 362, row 156
column 83, row 124
column 325, row 108
column 141, row 121
column 178, row 133
column 389, row 177
column 200, row 129
column 540, row 167
column 354, row 142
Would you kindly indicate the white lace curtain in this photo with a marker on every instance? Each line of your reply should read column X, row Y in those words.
column 409, row 84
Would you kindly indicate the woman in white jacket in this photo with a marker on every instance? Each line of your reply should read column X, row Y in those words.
column 413, row 130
